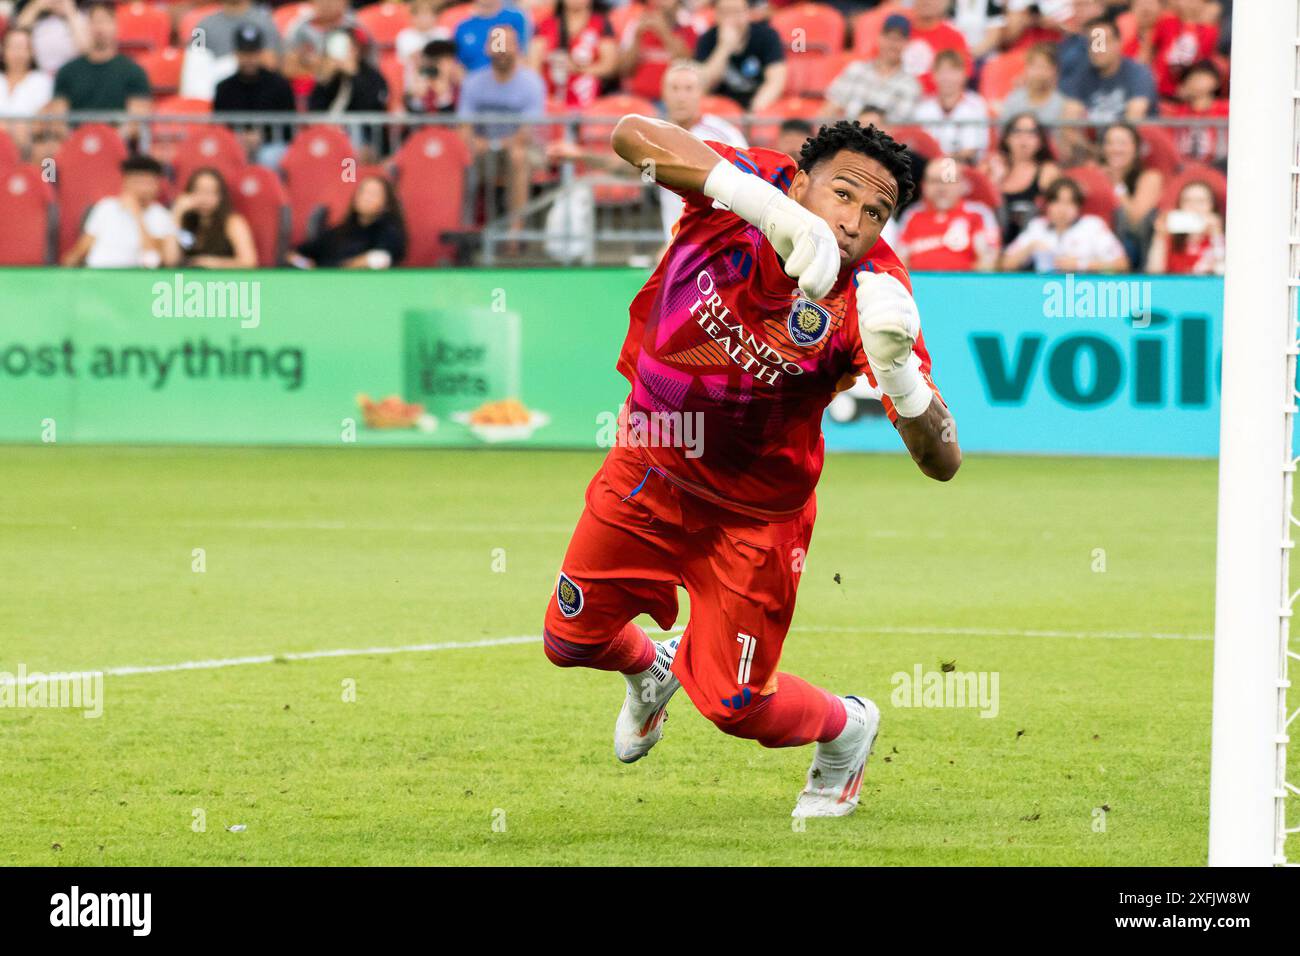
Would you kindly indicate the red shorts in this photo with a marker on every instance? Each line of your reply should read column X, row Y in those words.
column 640, row 537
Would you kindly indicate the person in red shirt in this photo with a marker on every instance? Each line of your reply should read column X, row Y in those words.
column 945, row 232
column 1184, row 35
column 1189, row 239
column 931, row 32
column 1198, row 98
column 775, row 293
column 575, row 52
column 660, row 35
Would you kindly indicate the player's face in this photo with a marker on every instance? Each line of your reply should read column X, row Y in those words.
column 852, row 193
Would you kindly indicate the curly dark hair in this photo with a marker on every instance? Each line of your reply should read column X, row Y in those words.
column 867, row 140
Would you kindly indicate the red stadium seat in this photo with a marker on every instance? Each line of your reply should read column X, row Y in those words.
column 452, row 17
column 867, row 27
column 259, row 196
column 1191, row 173
column 1099, row 197
column 163, row 67
column 289, row 14
column 810, row 74
column 1001, row 73
column 383, row 21
column 722, row 106
column 394, row 71
column 431, row 156
column 88, row 168
column 787, row 107
column 979, row 188
column 142, row 26
column 822, row 29
column 9, row 156
column 191, row 19
column 918, row 140
column 1158, row 150
column 26, row 209
column 214, row 147
column 607, row 110
column 314, row 173
column 167, row 135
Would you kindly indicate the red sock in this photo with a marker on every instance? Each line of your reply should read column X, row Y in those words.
column 629, row 651
column 797, row 714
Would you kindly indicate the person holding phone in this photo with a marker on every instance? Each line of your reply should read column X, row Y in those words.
column 1188, row 239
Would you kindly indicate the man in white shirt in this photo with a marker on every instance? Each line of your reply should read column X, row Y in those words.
column 956, row 117
column 132, row 229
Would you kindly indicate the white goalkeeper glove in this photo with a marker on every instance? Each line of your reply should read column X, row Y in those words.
column 890, row 324
column 800, row 238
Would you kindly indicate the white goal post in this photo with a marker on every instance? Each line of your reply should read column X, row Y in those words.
column 1254, row 598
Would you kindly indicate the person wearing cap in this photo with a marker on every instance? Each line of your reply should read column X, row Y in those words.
column 217, row 30
column 131, row 230
column 882, row 82
column 254, row 88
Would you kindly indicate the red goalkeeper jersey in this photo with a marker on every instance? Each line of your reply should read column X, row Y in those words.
column 721, row 334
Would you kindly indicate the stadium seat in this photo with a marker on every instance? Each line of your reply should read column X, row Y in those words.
column 918, row 140
column 722, row 106
column 1098, row 191
column 1191, row 172
column 1158, row 150
column 787, row 107
column 867, row 27
column 810, row 74
column 28, row 211
column 191, row 19
column 1000, row 75
column 289, row 14
column 163, row 67
column 313, row 172
column 394, row 72
column 215, row 147
column 259, row 196
column 167, row 135
column 383, row 21
column 979, row 188
column 431, row 156
column 596, row 135
column 822, row 26
column 142, row 26
column 9, row 156
column 88, row 165
column 452, row 17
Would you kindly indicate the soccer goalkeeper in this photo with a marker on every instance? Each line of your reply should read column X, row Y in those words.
column 775, row 293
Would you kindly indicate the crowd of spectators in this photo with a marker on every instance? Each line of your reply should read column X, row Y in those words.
column 1028, row 122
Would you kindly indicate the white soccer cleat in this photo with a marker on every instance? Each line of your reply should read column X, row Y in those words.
column 835, row 777
column 640, row 723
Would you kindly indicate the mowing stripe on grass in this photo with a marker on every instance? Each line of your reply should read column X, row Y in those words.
column 220, row 662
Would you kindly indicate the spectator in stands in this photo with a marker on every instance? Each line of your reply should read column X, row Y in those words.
column 1138, row 28
column 219, row 29
column 209, row 233
column 1198, row 98
column 347, row 83
column 1065, row 240
column 59, row 32
column 1137, row 189
column 660, row 35
column 1189, row 239
column 1027, row 24
column 945, row 232
column 24, row 90
column 1110, row 87
column 683, row 97
column 254, row 88
column 743, row 57
column 1072, row 49
column 371, row 236
column 412, row 39
column 881, row 82
column 436, row 84
column 932, row 33
column 1022, row 169
column 304, row 42
column 1187, row 33
column 503, row 152
column 956, row 117
column 791, row 136
column 102, row 79
column 472, row 33
column 129, row 230
column 1036, row 92
column 575, row 53
column 871, row 116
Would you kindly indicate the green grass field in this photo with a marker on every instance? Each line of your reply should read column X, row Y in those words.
column 1086, row 585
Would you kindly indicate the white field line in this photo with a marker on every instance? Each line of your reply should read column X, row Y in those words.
column 222, row 662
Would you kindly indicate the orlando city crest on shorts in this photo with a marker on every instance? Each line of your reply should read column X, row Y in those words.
column 568, row 596
column 808, row 322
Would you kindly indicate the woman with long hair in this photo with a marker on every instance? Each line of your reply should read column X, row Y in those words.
column 1188, row 239
column 211, row 235
column 1136, row 188
column 1022, row 169
column 575, row 52
column 372, row 234
column 24, row 90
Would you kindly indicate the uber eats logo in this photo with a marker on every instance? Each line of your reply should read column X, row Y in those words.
column 1168, row 361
